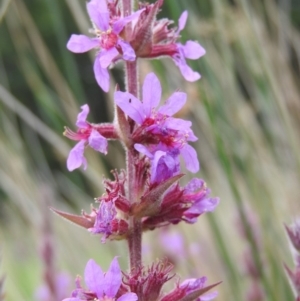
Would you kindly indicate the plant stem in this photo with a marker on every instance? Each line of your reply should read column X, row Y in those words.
column 131, row 76
column 135, row 236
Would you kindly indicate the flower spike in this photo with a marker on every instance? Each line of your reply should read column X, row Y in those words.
column 108, row 25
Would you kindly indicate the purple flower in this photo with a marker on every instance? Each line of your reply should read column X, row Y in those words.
column 194, row 284
column 107, row 27
column 108, row 223
column 197, row 193
column 164, row 165
column 105, row 215
column 182, row 204
column 86, row 134
column 156, row 126
column 101, row 286
column 192, row 289
column 158, row 40
column 191, row 50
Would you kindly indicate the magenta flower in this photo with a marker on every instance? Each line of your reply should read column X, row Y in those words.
column 107, row 27
column 156, row 126
column 101, row 286
column 86, row 134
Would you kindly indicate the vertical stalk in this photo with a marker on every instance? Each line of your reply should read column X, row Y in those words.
column 135, row 226
column 135, row 236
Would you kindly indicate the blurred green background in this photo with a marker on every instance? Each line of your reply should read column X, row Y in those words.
column 245, row 111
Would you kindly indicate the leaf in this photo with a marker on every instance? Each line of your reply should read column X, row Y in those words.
column 83, row 221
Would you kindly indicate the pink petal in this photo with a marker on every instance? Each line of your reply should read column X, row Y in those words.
column 93, row 277
column 160, row 173
column 128, row 51
column 205, row 205
column 128, row 297
column 193, row 185
column 81, row 43
column 102, row 75
column 209, row 296
column 191, row 136
column 107, row 56
column 99, row 14
column 130, row 105
column 98, row 142
column 190, row 158
column 157, row 156
column 193, row 50
column 182, row 21
column 113, row 278
column 151, row 93
column 173, row 104
column 76, row 157
column 81, row 117
column 188, row 73
column 178, row 124
column 119, row 25
column 143, row 150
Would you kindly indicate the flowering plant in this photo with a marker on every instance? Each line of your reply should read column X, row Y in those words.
column 147, row 195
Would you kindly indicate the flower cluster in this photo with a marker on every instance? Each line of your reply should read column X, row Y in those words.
column 107, row 28
column 109, row 286
column 157, row 134
column 148, row 38
column 147, row 195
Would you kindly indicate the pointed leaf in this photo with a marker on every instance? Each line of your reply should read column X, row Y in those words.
column 76, row 219
column 123, row 126
column 197, row 293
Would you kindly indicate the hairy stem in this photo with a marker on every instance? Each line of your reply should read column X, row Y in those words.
column 135, row 236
